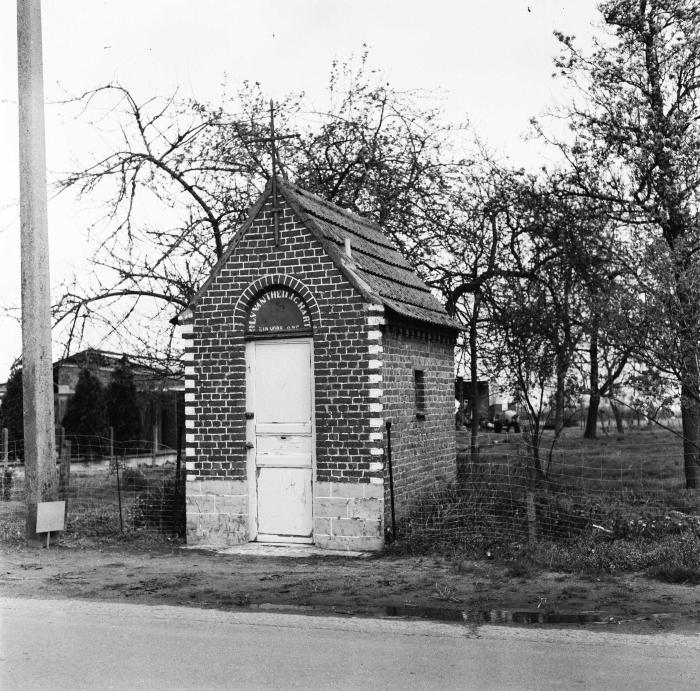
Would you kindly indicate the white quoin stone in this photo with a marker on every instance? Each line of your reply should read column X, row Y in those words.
column 375, row 436
column 189, row 424
column 373, row 335
column 374, row 349
column 376, row 481
column 373, row 379
column 189, row 451
column 189, row 397
column 375, row 393
column 189, row 371
column 375, row 321
column 375, row 466
column 375, row 451
column 189, row 438
column 376, row 422
column 189, row 465
column 375, row 408
column 375, row 308
column 189, row 410
column 372, row 364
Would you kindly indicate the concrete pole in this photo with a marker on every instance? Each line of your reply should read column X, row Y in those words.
column 37, row 377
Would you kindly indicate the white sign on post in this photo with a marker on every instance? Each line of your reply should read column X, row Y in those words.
column 50, row 516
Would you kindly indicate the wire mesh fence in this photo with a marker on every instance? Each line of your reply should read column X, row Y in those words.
column 109, row 488
column 615, row 488
column 511, row 494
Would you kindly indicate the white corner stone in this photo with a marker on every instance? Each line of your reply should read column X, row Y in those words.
column 375, row 407
column 375, row 393
column 375, row 451
column 372, row 364
column 374, row 335
column 375, row 378
column 376, row 481
column 376, row 422
column 375, row 466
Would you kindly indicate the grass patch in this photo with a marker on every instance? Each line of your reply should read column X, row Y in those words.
column 611, row 505
column 682, row 575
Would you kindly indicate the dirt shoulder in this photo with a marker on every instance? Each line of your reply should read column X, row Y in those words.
column 375, row 585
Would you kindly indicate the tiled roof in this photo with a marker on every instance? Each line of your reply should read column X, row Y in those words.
column 390, row 278
column 376, row 268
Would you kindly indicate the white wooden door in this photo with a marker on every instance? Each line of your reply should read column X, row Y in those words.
column 280, row 376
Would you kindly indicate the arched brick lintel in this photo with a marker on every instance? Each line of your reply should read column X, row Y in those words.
column 240, row 312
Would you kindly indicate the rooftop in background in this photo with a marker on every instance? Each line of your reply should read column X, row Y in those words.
column 141, row 364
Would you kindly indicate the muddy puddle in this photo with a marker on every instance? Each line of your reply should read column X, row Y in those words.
column 502, row 617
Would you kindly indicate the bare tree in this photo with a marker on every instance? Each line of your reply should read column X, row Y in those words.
column 636, row 119
column 181, row 176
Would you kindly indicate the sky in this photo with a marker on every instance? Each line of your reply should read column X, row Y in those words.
column 486, row 61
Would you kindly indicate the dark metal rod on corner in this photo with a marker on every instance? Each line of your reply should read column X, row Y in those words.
column 391, row 478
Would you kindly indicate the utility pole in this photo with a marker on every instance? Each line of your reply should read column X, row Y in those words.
column 37, row 373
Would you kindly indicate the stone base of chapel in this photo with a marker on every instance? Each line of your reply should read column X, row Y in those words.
column 347, row 516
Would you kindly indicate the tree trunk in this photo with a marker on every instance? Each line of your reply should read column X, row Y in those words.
column 594, row 402
column 560, row 395
column 690, row 440
column 618, row 418
column 591, row 431
column 690, row 415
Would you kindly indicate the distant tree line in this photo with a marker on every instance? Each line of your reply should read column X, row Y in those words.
column 91, row 410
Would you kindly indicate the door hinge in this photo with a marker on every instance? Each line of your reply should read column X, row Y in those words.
column 249, row 445
column 249, row 416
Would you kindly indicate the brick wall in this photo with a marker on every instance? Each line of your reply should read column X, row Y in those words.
column 423, row 442
column 215, row 363
column 215, row 392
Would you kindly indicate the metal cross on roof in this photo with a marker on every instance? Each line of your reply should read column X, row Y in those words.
column 272, row 140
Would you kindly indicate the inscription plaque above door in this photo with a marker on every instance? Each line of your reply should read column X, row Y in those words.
column 278, row 311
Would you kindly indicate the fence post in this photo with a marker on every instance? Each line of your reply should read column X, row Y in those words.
column 155, row 445
column 5, row 447
column 61, row 440
column 64, row 471
column 531, row 518
column 111, row 446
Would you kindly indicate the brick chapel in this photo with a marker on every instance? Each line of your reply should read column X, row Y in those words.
column 311, row 333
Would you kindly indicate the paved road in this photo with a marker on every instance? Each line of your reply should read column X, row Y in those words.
column 71, row 644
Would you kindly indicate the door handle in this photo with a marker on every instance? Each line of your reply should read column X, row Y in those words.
column 249, row 445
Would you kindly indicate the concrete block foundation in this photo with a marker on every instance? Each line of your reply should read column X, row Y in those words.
column 347, row 516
